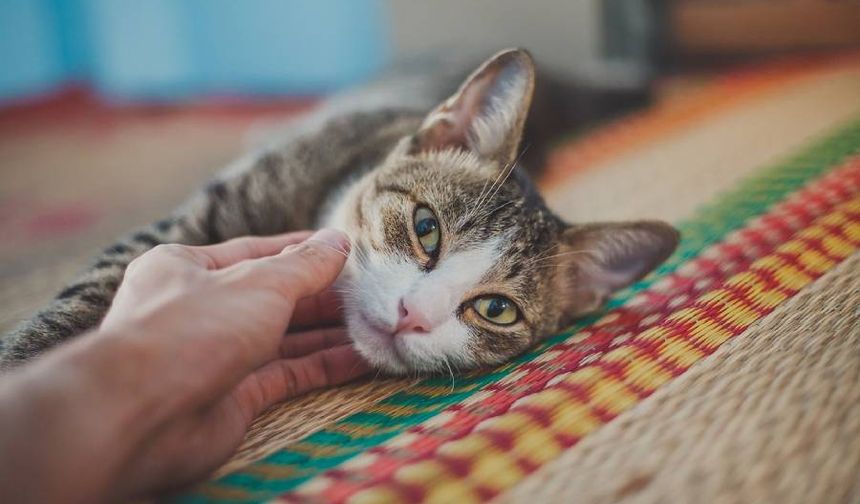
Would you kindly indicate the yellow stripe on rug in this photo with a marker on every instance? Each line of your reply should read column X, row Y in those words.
column 772, row 416
column 681, row 184
column 498, row 453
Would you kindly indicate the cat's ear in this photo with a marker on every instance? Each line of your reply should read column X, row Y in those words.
column 595, row 260
column 487, row 114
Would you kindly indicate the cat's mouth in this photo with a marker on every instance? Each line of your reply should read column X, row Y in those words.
column 378, row 327
column 378, row 344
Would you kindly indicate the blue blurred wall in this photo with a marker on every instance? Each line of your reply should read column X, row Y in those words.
column 168, row 49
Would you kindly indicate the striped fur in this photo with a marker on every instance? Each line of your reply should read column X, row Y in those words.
column 365, row 171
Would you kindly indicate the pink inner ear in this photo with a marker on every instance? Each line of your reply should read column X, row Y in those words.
column 615, row 255
column 618, row 275
column 450, row 123
column 444, row 133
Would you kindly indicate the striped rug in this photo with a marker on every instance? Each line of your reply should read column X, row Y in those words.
column 731, row 373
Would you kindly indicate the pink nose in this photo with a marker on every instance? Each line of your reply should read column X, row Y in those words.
column 411, row 319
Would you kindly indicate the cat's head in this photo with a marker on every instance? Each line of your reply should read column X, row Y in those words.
column 456, row 261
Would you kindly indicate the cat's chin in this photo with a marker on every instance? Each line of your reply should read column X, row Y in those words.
column 376, row 346
column 396, row 355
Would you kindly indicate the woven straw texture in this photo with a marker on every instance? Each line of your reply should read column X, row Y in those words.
column 762, row 220
column 695, row 165
column 773, row 416
column 730, row 374
column 790, row 92
column 298, row 418
column 489, row 443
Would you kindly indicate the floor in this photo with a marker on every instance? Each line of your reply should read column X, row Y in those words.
column 75, row 173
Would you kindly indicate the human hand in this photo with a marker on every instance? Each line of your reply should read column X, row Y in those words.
column 197, row 349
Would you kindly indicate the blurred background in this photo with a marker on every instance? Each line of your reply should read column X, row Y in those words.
column 171, row 50
column 112, row 111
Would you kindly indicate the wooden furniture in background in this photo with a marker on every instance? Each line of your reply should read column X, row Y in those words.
column 736, row 27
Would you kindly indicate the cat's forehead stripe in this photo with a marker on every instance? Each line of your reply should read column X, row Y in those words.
column 392, row 188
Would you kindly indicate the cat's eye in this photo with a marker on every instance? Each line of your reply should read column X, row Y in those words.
column 497, row 309
column 427, row 230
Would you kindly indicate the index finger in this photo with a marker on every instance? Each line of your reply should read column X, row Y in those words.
column 233, row 251
column 305, row 269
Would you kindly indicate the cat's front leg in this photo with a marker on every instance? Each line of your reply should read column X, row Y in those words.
column 250, row 201
column 82, row 304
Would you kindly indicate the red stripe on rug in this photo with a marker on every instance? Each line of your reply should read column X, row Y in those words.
column 647, row 310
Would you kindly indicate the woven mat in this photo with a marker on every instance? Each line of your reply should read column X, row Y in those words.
column 772, row 416
column 765, row 188
column 729, row 374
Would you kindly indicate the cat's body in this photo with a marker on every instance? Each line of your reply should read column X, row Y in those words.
column 482, row 282
column 277, row 190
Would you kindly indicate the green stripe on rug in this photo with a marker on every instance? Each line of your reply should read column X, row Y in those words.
column 328, row 448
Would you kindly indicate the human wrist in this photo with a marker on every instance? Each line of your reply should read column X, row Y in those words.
column 157, row 373
column 59, row 410
column 136, row 370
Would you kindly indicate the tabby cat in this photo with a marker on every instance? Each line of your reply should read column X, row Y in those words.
column 456, row 261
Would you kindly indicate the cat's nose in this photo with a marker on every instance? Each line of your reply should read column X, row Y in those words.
column 411, row 319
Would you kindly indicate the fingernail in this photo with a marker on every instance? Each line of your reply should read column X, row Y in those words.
column 337, row 239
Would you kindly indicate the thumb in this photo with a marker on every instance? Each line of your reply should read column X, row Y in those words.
column 309, row 267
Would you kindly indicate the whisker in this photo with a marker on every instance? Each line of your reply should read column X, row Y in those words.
column 360, row 253
column 562, row 254
column 542, row 262
column 510, row 171
column 479, row 204
column 341, row 252
column 471, row 211
column 451, row 371
column 503, row 177
column 497, row 208
column 480, row 200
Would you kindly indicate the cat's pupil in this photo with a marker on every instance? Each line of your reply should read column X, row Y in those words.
column 426, row 226
column 496, row 307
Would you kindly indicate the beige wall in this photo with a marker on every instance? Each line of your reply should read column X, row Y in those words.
column 563, row 34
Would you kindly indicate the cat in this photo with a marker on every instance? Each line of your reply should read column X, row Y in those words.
column 456, row 263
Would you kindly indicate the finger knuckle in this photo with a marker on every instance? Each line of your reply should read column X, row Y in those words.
column 247, row 273
column 249, row 268
column 316, row 262
column 291, row 379
column 160, row 264
column 168, row 249
column 247, row 244
column 132, row 267
column 310, row 252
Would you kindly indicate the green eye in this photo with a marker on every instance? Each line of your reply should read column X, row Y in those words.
column 497, row 309
column 427, row 229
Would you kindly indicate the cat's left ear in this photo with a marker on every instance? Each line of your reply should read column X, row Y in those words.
column 595, row 260
column 488, row 112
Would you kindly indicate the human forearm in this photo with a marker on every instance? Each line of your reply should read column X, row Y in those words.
column 69, row 420
column 189, row 352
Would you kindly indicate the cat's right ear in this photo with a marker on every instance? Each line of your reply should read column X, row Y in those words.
column 487, row 114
